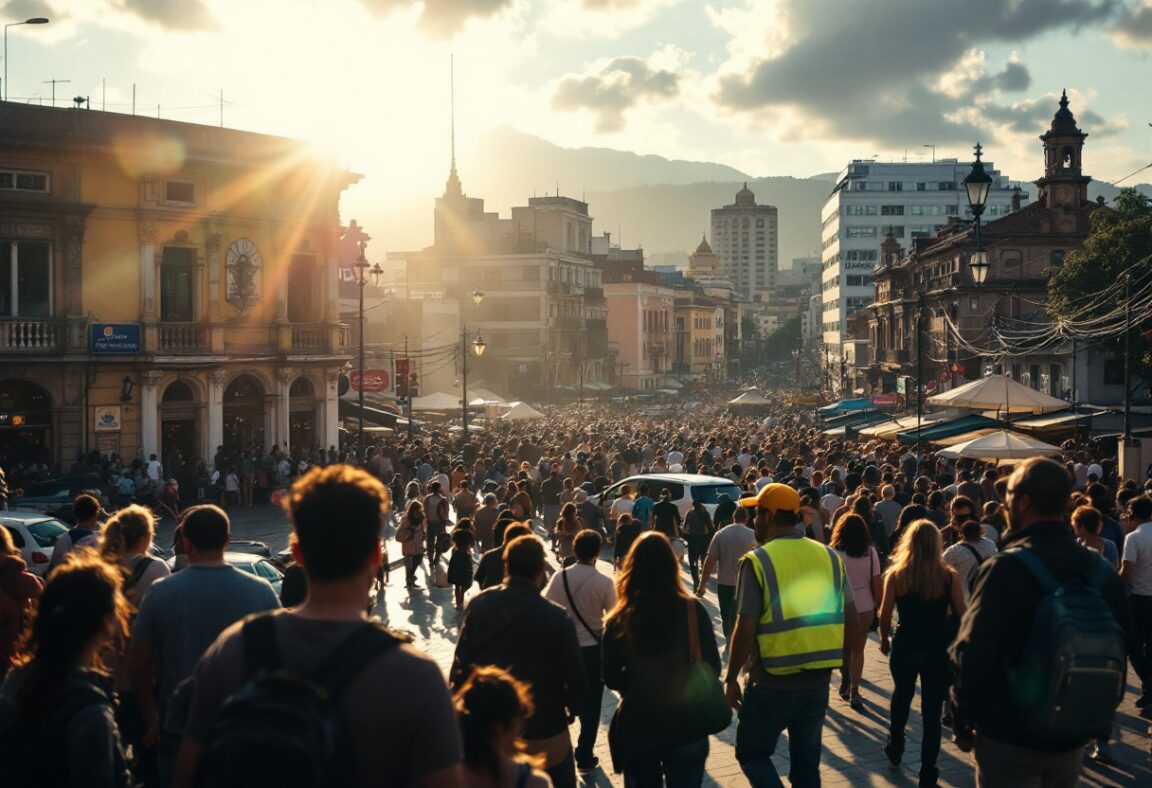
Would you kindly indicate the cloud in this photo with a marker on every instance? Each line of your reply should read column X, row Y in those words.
column 1134, row 28
column 27, row 9
column 442, row 18
column 609, row 92
column 1034, row 115
column 875, row 71
column 182, row 15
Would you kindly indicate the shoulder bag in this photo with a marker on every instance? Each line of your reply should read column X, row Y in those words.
column 703, row 699
column 575, row 610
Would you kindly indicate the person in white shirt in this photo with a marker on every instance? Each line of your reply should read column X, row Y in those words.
column 622, row 505
column 832, row 501
column 675, row 457
column 765, row 478
column 966, row 556
column 155, row 469
column 587, row 595
column 1136, row 571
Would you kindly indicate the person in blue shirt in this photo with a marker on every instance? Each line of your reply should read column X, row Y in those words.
column 642, row 509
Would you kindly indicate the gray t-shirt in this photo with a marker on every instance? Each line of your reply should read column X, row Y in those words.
column 398, row 711
column 184, row 613
column 889, row 512
column 729, row 545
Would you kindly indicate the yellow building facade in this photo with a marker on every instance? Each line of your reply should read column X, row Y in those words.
column 164, row 288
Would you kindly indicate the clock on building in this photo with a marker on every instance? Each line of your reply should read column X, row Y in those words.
column 243, row 263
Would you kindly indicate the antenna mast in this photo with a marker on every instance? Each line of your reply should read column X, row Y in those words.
column 452, row 100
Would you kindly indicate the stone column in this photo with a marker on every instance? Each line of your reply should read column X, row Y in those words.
column 150, row 413
column 214, row 267
column 70, row 304
column 329, row 431
column 283, row 379
column 215, row 410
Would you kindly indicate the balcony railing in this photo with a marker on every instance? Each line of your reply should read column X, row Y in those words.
column 183, row 338
column 310, row 337
column 889, row 356
column 29, row 336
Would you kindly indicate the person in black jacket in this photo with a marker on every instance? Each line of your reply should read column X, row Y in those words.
column 57, row 709
column 513, row 627
column 994, row 631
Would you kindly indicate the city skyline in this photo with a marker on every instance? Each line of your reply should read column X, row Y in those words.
column 773, row 88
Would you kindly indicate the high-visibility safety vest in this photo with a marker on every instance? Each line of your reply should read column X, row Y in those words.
column 802, row 618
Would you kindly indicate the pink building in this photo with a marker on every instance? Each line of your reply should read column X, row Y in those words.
column 640, row 323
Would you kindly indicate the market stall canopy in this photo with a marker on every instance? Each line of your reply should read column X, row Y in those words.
column 846, row 405
column 887, row 430
column 522, row 411
column 437, row 401
column 479, row 397
column 1000, row 394
column 945, row 429
column 859, row 419
column 1001, row 445
column 751, row 398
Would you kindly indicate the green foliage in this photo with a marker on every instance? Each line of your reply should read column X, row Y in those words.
column 1120, row 240
column 785, row 339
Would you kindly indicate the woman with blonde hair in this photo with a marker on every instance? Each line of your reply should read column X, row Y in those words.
column 492, row 706
column 930, row 600
column 124, row 542
column 567, row 526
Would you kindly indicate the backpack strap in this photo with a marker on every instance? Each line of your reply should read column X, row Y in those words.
column 261, row 652
column 349, row 658
column 1036, row 568
column 138, row 572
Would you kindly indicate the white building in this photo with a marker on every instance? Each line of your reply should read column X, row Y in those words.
column 915, row 199
column 744, row 236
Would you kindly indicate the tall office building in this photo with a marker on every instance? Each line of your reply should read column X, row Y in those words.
column 915, row 200
column 744, row 236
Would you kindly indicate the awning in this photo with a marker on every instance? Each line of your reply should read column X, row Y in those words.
column 887, row 431
column 859, row 418
column 946, row 429
column 379, row 418
column 845, row 405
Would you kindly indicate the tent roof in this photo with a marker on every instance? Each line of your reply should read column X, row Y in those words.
column 436, row 401
column 859, row 418
column 887, row 431
column 847, row 404
column 1001, row 445
column 945, row 429
column 750, row 397
column 522, row 411
column 1000, row 394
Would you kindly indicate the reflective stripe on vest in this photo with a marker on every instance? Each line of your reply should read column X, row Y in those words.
column 802, row 619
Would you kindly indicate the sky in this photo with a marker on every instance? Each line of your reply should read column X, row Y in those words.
column 771, row 87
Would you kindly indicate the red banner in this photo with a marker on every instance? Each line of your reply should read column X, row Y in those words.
column 892, row 401
column 375, row 380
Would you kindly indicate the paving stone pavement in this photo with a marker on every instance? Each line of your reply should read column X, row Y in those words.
column 852, row 740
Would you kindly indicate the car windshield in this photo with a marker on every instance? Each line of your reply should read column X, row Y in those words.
column 47, row 490
column 46, row 532
column 707, row 493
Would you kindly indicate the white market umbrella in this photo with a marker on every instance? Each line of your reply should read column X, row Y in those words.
column 1000, row 445
column 750, row 398
column 437, row 401
column 522, row 411
column 481, row 397
column 998, row 393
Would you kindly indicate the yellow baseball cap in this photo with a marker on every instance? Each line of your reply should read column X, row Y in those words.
column 775, row 497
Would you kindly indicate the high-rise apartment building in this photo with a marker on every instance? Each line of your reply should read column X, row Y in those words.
column 744, row 235
column 914, row 199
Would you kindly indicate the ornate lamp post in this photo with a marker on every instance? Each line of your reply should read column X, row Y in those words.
column 363, row 274
column 478, row 347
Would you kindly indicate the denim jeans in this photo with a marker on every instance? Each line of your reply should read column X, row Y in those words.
column 678, row 767
column 589, row 710
column 726, row 601
column 768, row 712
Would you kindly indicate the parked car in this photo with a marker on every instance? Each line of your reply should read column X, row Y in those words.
column 54, row 497
column 35, row 537
column 685, row 488
column 249, row 563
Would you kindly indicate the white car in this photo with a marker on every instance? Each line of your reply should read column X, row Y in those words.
column 685, row 488
column 35, row 536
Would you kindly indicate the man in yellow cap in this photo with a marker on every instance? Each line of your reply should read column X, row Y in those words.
column 793, row 603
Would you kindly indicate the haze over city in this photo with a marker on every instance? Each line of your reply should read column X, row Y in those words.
column 768, row 88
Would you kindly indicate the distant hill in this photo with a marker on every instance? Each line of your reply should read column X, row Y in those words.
column 661, row 204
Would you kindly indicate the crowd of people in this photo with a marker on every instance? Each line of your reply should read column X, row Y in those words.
column 121, row 672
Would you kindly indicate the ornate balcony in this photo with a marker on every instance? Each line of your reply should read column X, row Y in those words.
column 29, row 336
column 184, row 338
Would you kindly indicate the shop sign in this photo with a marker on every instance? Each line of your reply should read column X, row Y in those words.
column 108, row 338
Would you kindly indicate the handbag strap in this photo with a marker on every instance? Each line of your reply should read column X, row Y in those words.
column 693, row 633
column 574, row 609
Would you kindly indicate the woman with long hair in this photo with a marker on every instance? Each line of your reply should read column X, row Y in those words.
column 57, row 707
column 567, row 526
column 492, row 706
column 908, row 515
column 862, row 564
column 647, row 656
column 930, row 600
column 412, row 535
column 124, row 542
column 19, row 590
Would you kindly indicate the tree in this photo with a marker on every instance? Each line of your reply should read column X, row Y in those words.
column 1120, row 240
column 785, row 339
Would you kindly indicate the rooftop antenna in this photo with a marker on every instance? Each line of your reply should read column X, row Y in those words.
column 933, row 147
column 452, row 101
column 54, row 83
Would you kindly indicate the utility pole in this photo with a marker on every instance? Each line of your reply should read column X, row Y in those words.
column 919, row 374
column 410, row 394
column 54, row 83
column 1127, row 358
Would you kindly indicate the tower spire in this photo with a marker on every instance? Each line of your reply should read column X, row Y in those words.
column 452, row 187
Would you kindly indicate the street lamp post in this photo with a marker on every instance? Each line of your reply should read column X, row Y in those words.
column 478, row 346
column 363, row 274
column 36, row 20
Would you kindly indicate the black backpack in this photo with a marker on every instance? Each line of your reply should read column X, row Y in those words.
column 283, row 730
column 1071, row 675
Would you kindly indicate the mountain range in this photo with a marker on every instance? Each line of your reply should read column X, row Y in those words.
column 646, row 201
